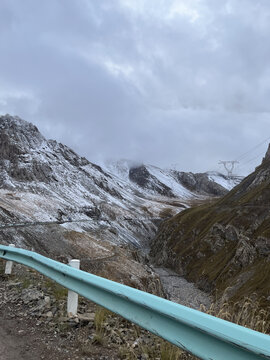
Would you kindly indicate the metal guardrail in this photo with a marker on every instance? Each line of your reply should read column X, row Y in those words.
column 201, row 334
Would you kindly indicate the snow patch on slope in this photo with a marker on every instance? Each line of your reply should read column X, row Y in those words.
column 223, row 180
column 168, row 180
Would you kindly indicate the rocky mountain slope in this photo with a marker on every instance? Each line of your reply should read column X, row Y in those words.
column 224, row 245
column 42, row 180
column 171, row 183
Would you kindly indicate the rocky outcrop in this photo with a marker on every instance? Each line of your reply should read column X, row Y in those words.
column 142, row 177
column 26, row 156
column 267, row 155
column 17, row 137
column 201, row 183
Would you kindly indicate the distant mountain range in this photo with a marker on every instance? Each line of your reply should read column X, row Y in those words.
column 42, row 180
column 171, row 183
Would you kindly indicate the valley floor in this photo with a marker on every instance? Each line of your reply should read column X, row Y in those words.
column 179, row 290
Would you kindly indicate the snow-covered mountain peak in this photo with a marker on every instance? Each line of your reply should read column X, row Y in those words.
column 10, row 122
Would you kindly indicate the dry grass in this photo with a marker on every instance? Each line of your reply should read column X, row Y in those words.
column 100, row 335
column 58, row 291
column 166, row 213
column 169, row 352
column 247, row 313
column 100, row 318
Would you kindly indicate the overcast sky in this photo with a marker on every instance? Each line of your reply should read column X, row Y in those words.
column 184, row 82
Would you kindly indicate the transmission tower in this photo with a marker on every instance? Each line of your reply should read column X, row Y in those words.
column 229, row 166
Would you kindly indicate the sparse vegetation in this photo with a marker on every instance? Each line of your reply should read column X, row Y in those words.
column 100, row 318
column 26, row 283
column 246, row 312
column 2, row 266
column 169, row 351
column 166, row 213
column 58, row 291
column 145, row 209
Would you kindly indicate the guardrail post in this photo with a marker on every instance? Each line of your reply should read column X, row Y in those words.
column 72, row 303
column 9, row 264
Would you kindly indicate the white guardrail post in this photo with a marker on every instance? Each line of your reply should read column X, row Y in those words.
column 9, row 264
column 72, row 302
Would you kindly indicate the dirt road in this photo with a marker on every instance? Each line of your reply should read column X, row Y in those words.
column 8, row 344
column 12, row 342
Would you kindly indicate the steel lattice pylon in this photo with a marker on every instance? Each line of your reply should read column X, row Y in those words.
column 229, row 166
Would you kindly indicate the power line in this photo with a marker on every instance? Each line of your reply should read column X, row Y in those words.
column 254, row 158
column 240, row 157
column 243, row 156
column 251, row 160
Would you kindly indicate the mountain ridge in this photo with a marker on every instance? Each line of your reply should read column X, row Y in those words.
column 170, row 182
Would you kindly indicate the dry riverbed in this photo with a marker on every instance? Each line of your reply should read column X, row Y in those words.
column 181, row 291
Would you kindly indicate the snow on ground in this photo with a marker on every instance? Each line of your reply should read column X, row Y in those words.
column 227, row 183
column 120, row 170
column 165, row 178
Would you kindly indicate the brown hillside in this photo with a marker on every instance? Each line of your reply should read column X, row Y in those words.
column 224, row 245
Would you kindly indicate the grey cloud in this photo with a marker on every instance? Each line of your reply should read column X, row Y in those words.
column 129, row 79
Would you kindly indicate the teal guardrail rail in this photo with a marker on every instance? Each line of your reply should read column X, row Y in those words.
column 203, row 335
